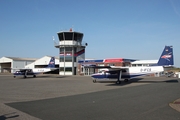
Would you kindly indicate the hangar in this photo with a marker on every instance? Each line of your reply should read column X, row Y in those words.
column 7, row 63
column 42, row 62
column 11, row 64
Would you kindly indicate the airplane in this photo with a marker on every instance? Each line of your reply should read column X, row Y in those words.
column 118, row 72
column 33, row 72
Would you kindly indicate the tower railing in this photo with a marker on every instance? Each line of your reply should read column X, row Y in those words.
column 70, row 43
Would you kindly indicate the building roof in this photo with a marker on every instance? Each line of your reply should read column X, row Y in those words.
column 22, row 59
column 145, row 62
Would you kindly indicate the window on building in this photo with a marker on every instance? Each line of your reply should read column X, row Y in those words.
column 145, row 65
column 62, row 49
column 68, row 59
column 60, row 35
column 110, row 64
column 74, row 59
column 100, row 64
column 133, row 65
column 139, row 65
column 68, row 69
column 61, row 59
column 68, row 49
column 78, row 36
column 61, row 69
column 82, row 69
column 68, row 36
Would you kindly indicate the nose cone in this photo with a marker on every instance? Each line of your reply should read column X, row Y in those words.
column 97, row 76
column 93, row 75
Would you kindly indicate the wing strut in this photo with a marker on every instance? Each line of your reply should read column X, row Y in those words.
column 119, row 77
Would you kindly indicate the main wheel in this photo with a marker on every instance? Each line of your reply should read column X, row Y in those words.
column 25, row 76
column 126, row 80
column 118, row 82
column 34, row 76
column 94, row 81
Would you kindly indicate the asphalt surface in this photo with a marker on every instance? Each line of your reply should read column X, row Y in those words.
column 52, row 97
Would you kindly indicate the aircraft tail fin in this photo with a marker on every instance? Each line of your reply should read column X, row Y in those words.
column 166, row 58
column 51, row 63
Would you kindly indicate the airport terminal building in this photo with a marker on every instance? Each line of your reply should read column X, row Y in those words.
column 71, row 59
column 7, row 63
column 84, row 66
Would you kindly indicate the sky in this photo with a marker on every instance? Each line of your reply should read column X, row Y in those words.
column 131, row 29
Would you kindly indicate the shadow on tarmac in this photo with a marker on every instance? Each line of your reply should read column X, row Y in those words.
column 8, row 116
column 139, row 80
column 42, row 76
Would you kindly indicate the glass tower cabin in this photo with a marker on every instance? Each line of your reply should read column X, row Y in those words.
column 71, row 50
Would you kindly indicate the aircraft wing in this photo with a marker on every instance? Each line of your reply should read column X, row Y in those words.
column 97, row 67
column 111, row 68
column 25, row 69
column 21, row 68
column 118, row 67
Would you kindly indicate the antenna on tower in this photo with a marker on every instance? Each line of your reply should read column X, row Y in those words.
column 54, row 41
column 73, row 27
column 53, row 38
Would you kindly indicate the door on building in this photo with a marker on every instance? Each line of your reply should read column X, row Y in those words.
column 89, row 71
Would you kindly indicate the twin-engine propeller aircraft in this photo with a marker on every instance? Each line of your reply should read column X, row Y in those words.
column 126, row 73
column 33, row 72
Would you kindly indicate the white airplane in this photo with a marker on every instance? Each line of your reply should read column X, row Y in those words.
column 33, row 72
column 126, row 73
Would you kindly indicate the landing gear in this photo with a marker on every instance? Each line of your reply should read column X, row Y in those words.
column 34, row 76
column 126, row 80
column 119, row 77
column 118, row 82
column 25, row 74
column 14, row 76
column 94, row 80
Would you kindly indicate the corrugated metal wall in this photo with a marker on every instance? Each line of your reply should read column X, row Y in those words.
column 19, row 65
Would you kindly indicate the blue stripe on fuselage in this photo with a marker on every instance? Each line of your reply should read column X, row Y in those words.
column 127, row 76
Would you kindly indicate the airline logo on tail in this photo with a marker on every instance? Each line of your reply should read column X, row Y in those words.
column 167, row 56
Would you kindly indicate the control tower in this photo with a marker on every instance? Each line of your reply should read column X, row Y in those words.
column 71, row 50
